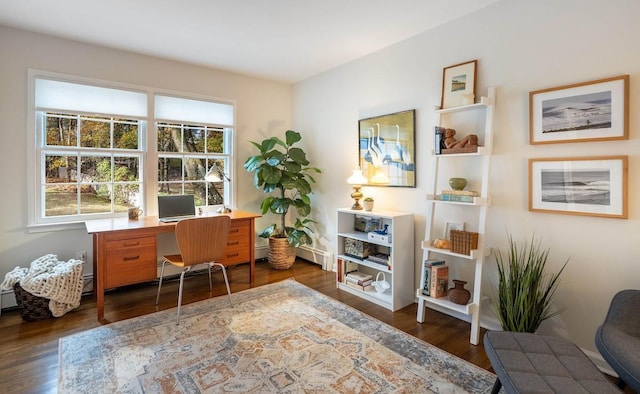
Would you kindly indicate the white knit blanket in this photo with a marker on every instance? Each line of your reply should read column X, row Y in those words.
column 59, row 281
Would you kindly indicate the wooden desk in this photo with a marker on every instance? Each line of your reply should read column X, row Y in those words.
column 125, row 251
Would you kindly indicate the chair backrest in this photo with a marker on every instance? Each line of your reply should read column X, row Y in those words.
column 202, row 240
column 623, row 312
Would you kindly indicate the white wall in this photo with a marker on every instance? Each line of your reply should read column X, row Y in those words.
column 520, row 46
column 263, row 108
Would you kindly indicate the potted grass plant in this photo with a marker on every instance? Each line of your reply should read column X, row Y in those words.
column 283, row 172
column 525, row 290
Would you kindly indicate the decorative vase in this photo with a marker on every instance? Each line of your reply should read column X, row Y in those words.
column 457, row 183
column 458, row 294
column 281, row 254
column 368, row 205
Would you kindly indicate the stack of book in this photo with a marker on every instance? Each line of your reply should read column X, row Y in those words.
column 379, row 258
column 463, row 242
column 359, row 280
column 435, row 278
column 457, row 195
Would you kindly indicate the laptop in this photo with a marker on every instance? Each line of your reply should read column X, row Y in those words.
column 176, row 207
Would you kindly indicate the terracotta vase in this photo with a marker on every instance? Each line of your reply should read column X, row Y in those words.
column 458, row 294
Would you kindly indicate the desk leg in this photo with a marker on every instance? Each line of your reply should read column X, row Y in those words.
column 99, row 255
column 252, row 250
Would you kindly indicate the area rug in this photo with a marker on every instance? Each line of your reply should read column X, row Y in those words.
column 279, row 338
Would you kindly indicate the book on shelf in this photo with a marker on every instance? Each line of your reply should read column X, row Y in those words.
column 358, row 277
column 368, row 287
column 461, row 193
column 439, row 281
column 455, row 198
column 378, row 258
column 425, row 280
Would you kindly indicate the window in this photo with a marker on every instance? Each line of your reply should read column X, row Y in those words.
column 91, row 164
column 95, row 154
column 193, row 136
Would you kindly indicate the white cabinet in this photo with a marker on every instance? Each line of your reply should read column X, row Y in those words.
column 470, row 119
column 398, row 273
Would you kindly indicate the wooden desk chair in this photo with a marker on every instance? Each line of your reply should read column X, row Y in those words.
column 201, row 241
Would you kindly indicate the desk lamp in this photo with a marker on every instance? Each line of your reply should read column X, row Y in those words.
column 356, row 180
column 215, row 174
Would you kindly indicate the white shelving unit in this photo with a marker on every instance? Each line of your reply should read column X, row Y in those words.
column 400, row 250
column 469, row 119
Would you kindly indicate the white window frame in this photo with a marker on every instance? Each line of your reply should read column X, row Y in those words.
column 36, row 221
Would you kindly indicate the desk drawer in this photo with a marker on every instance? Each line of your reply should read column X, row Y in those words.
column 237, row 250
column 130, row 261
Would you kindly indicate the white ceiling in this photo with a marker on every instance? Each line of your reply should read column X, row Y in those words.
column 283, row 40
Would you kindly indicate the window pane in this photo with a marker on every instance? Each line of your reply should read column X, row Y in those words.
column 61, row 130
column 169, row 169
column 194, row 169
column 169, row 138
column 199, row 190
column 60, row 168
column 215, row 141
column 95, row 199
column 96, row 169
column 194, row 139
column 215, row 191
column 126, row 196
column 165, row 188
column 60, row 200
column 125, row 134
column 95, row 133
column 126, row 169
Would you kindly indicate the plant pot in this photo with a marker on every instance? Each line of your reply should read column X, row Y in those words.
column 281, row 254
column 458, row 294
column 368, row 205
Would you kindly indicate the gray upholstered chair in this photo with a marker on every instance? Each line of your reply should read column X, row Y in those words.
column 618, row 339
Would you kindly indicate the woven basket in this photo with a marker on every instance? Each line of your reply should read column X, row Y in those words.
column 32, row 308
column 281, row 254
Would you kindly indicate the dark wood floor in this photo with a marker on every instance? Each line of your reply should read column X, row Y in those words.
column 29, row 350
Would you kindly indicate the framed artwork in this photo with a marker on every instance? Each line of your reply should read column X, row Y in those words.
column 448, row 226
column 386, row 149
column 591, row 186
column 458, row 84
column 588, row 111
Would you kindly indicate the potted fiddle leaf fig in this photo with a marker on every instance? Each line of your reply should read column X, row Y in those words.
column 525, row 290
column 282, row 171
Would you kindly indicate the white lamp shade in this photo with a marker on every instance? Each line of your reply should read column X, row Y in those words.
column 357, row 178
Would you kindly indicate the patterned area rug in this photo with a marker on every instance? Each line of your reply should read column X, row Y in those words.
column 283, row 337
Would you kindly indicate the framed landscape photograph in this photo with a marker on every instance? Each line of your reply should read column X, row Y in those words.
column 386, row 149
column 588, row 111
column 457, row 81
column 448, row 226
column 591, row 186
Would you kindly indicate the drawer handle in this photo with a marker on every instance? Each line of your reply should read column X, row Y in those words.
column 233, row 255
column 233, row 243
column 136, row 243
column 129, row 258
column 234, row 230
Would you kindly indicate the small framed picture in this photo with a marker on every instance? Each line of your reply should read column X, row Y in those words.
column 448, row 226
column 458, row 84
column 591, row 186
column 588, row 111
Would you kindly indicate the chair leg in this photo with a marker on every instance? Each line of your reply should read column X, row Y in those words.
column 497, row 385
column 210, row 283
column 226, row 281
column 184, row 271
column 160, row 283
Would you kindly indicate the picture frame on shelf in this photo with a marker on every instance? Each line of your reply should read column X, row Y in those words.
column 590, row 186
column 458, row 84
column 386, row 149
column 582, row 112
column 448, row 226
